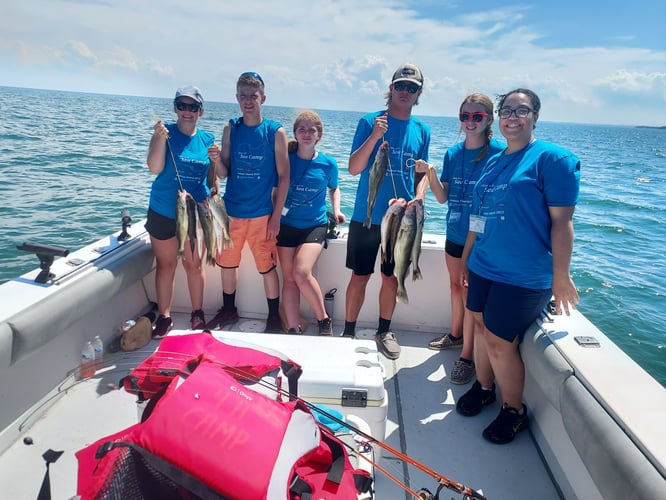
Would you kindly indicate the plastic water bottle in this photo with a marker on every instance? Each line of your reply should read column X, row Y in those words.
column 329, row 302
column 87, row 366
column 127, row 325
column 98, row 348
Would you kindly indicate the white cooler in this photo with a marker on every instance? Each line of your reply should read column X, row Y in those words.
column 341, row 373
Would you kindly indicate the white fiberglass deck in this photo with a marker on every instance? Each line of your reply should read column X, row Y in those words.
column 422, row 422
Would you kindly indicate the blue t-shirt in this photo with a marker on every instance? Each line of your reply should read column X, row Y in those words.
column 513, row 194
column 309, row 181
column 191, row 154
column 408, row 139
column 252, row 170
column 461, row 173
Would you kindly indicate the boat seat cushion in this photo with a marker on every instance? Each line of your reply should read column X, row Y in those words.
column 545, row 363
column 617, row 466
column 6, row 336
column 75, row 299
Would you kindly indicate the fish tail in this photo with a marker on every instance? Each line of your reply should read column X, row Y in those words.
column 401, row 295
column 416, row 274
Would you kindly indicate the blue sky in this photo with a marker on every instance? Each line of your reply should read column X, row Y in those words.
column 589, row 61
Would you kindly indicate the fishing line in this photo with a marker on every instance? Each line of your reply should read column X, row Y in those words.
column 390, row 169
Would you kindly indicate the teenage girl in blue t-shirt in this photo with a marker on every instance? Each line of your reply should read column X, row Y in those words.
column 518, row 254
column 463, row 164
column 304, row 222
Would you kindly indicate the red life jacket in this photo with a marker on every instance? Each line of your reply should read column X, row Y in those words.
column 210, row 436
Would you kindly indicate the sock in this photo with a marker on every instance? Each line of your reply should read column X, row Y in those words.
column 465, row 360
column 453, row 337
column 350, row 328
column 273, row 306
column 384, row 325
column 487, row 388
column 229, row 300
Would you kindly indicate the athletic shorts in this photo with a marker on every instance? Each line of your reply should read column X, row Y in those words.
column 160, row 227
column 453, row 249
column 290, row 236
column 508, row 310
column 362, row 248
column 253, row 231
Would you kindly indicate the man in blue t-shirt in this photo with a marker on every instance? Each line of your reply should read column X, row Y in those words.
column 254, row 160
column 408, row 139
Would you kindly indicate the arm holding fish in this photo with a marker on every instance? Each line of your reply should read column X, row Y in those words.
column 280, row 192
column 359, row 159
column 222, row 167
column 157, row 148
column 439, row 189
column 562, row 237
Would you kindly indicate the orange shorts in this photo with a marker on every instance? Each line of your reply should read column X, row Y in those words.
column 253, row 231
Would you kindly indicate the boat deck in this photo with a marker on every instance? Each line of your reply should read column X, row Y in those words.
column 422, row 423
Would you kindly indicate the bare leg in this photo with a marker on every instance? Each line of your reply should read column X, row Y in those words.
column 508, row 367
column 272, row 284
column 196, row 276
column 455, row 268
column 229, row 279
column 166, row 259
column 387, row 295
column 355, row 296
column 484, row 370
column 290, row 293
column 304, row 261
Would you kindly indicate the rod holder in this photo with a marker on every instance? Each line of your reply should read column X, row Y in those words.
column 45, row 254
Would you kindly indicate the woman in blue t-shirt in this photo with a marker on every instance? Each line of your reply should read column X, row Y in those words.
column 190, row 148
column 463, row 164
column 518, row 254
column 304, row 221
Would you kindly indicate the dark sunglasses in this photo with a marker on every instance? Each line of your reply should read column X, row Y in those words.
column 412, row 88
column 253, row 75
column 183, row 106
column 475, row 117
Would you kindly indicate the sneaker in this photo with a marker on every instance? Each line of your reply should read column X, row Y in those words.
column 447, row 341
column 462, row 372
column 197, row 320
column 325, row 327
column 223, row 318
column 294, row 331
column 388, row 345
column 273, row 324
column 508, row 423
column 472, row 402
column 162, row 326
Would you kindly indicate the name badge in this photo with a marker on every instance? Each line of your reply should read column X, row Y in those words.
column 285, row 210
column 477, row 223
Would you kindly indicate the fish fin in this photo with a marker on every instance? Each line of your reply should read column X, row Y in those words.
column 416, row 274
column 401, row 296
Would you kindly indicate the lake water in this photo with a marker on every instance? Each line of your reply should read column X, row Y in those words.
column 70, row 162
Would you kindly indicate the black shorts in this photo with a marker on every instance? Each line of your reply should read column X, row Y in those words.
column 292, row 237
column 160, row 227
column 362, row 248
column 453, row 249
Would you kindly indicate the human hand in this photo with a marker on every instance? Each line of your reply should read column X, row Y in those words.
column 159, row 129
column 214, row 154
column 422, row 166
column 339, row 217
column 273, row 226
column 565, row 294
column 380, row 127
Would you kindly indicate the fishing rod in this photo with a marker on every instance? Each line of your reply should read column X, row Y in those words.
column 442, row 480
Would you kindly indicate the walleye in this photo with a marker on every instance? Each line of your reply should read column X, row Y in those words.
column 182, row 221
column 221, row 219
column 402, row 251
column 416, row 247
column 377, row 174
column 206, row 221
column 192, row 222
column 390, row 226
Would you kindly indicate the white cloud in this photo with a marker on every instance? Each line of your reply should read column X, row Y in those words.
column 338, row 54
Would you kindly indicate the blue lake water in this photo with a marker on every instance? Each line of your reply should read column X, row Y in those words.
column 70, row 162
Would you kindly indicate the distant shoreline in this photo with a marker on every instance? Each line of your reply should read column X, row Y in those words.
column 663, row 127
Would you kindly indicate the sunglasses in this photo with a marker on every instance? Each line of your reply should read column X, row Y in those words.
column 186, row 106
column 520, row 112
column 254, row 75
column 412, row 88
column 475, row 117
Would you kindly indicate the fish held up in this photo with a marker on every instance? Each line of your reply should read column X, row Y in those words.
column 389, row 227
column 402, row 251
column 377, row 174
